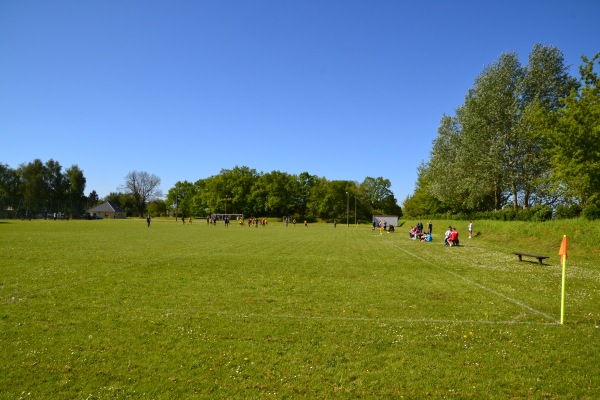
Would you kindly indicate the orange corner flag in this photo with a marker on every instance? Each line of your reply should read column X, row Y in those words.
column 563, row 247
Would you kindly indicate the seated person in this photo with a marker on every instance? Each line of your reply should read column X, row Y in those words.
column 447, row 236
column 426, row 237
column 411, row 233
column 391, row 228
column 418, row 233
column 453, row 239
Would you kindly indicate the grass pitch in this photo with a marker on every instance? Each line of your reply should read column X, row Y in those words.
column 113, row 309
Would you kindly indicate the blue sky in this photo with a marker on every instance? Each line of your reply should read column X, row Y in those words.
column 183, row 89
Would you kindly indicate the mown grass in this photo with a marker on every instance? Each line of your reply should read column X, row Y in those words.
column 113, row 309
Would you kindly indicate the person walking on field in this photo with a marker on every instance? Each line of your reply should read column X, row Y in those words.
column 148, row 220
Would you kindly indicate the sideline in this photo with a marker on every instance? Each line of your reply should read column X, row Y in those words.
column 479, row 285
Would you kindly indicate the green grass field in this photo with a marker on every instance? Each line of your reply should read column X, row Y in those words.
column 113, row 309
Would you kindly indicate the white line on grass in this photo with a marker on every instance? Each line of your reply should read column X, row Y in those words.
column 479, row 285
column 367, row 319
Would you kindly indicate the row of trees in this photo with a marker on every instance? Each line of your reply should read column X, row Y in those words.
column 38, row 189
column 525, row 136
column 243, row 190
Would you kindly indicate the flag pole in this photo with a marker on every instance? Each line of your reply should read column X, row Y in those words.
column 563, row 254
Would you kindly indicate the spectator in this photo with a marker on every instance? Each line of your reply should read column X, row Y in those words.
column 447, row 236
column 453, row 240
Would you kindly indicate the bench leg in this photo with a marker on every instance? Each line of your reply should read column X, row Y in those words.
column 520, row 257
column 540, row 260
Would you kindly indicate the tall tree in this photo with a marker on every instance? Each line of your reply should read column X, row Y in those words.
column 489, row 123
column 9, row 187
column 75, row 182
column 143, row 187
column 274, row 193
column 379, row 195
column 546, row 81
column 56, row 186
column 93, row 199
column 576, row 138
column 180, row 199
column 305, row 183
column 33, row 188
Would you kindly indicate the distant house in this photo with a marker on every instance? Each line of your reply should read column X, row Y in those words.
column 107, row 210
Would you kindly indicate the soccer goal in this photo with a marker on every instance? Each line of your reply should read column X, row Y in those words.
column 230, row 217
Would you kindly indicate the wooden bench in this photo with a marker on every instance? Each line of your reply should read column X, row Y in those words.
column 539, row 257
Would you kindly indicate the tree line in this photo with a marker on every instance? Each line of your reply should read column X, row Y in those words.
column 525, row 142
column 245, row 191
column 37, row 189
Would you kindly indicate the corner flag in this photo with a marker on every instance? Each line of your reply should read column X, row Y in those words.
column 563, row 254
column 563, row 247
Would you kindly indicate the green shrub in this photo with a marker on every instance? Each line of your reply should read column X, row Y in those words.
column 591, row 212
column 564, row 211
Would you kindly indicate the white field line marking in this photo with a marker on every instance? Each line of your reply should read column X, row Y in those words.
column 479, row 285
column 370, row 320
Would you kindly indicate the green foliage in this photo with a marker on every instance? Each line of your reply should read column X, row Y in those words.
column 157, row 208
column 591, row 212
column 243, row 190
column 576, row 138
column 39, row 189
column 496, row 150
column 564, row 211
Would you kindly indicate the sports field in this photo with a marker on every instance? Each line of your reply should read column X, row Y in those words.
column 113, row 309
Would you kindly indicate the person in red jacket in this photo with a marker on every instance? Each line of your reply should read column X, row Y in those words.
column 453, row 239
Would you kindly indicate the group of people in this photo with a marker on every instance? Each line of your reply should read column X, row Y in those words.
column 383, row 226
column 417, row 232
column 450, row 237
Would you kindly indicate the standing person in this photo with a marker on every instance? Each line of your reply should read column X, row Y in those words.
column 470, row 229
column 148, row 220
column 429, row 228
column 335, row 223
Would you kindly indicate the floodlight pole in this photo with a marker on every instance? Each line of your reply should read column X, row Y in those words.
column 347, row 209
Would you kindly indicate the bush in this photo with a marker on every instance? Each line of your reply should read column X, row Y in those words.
column 564, row 211
column 591, row 212
column 539, row 213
